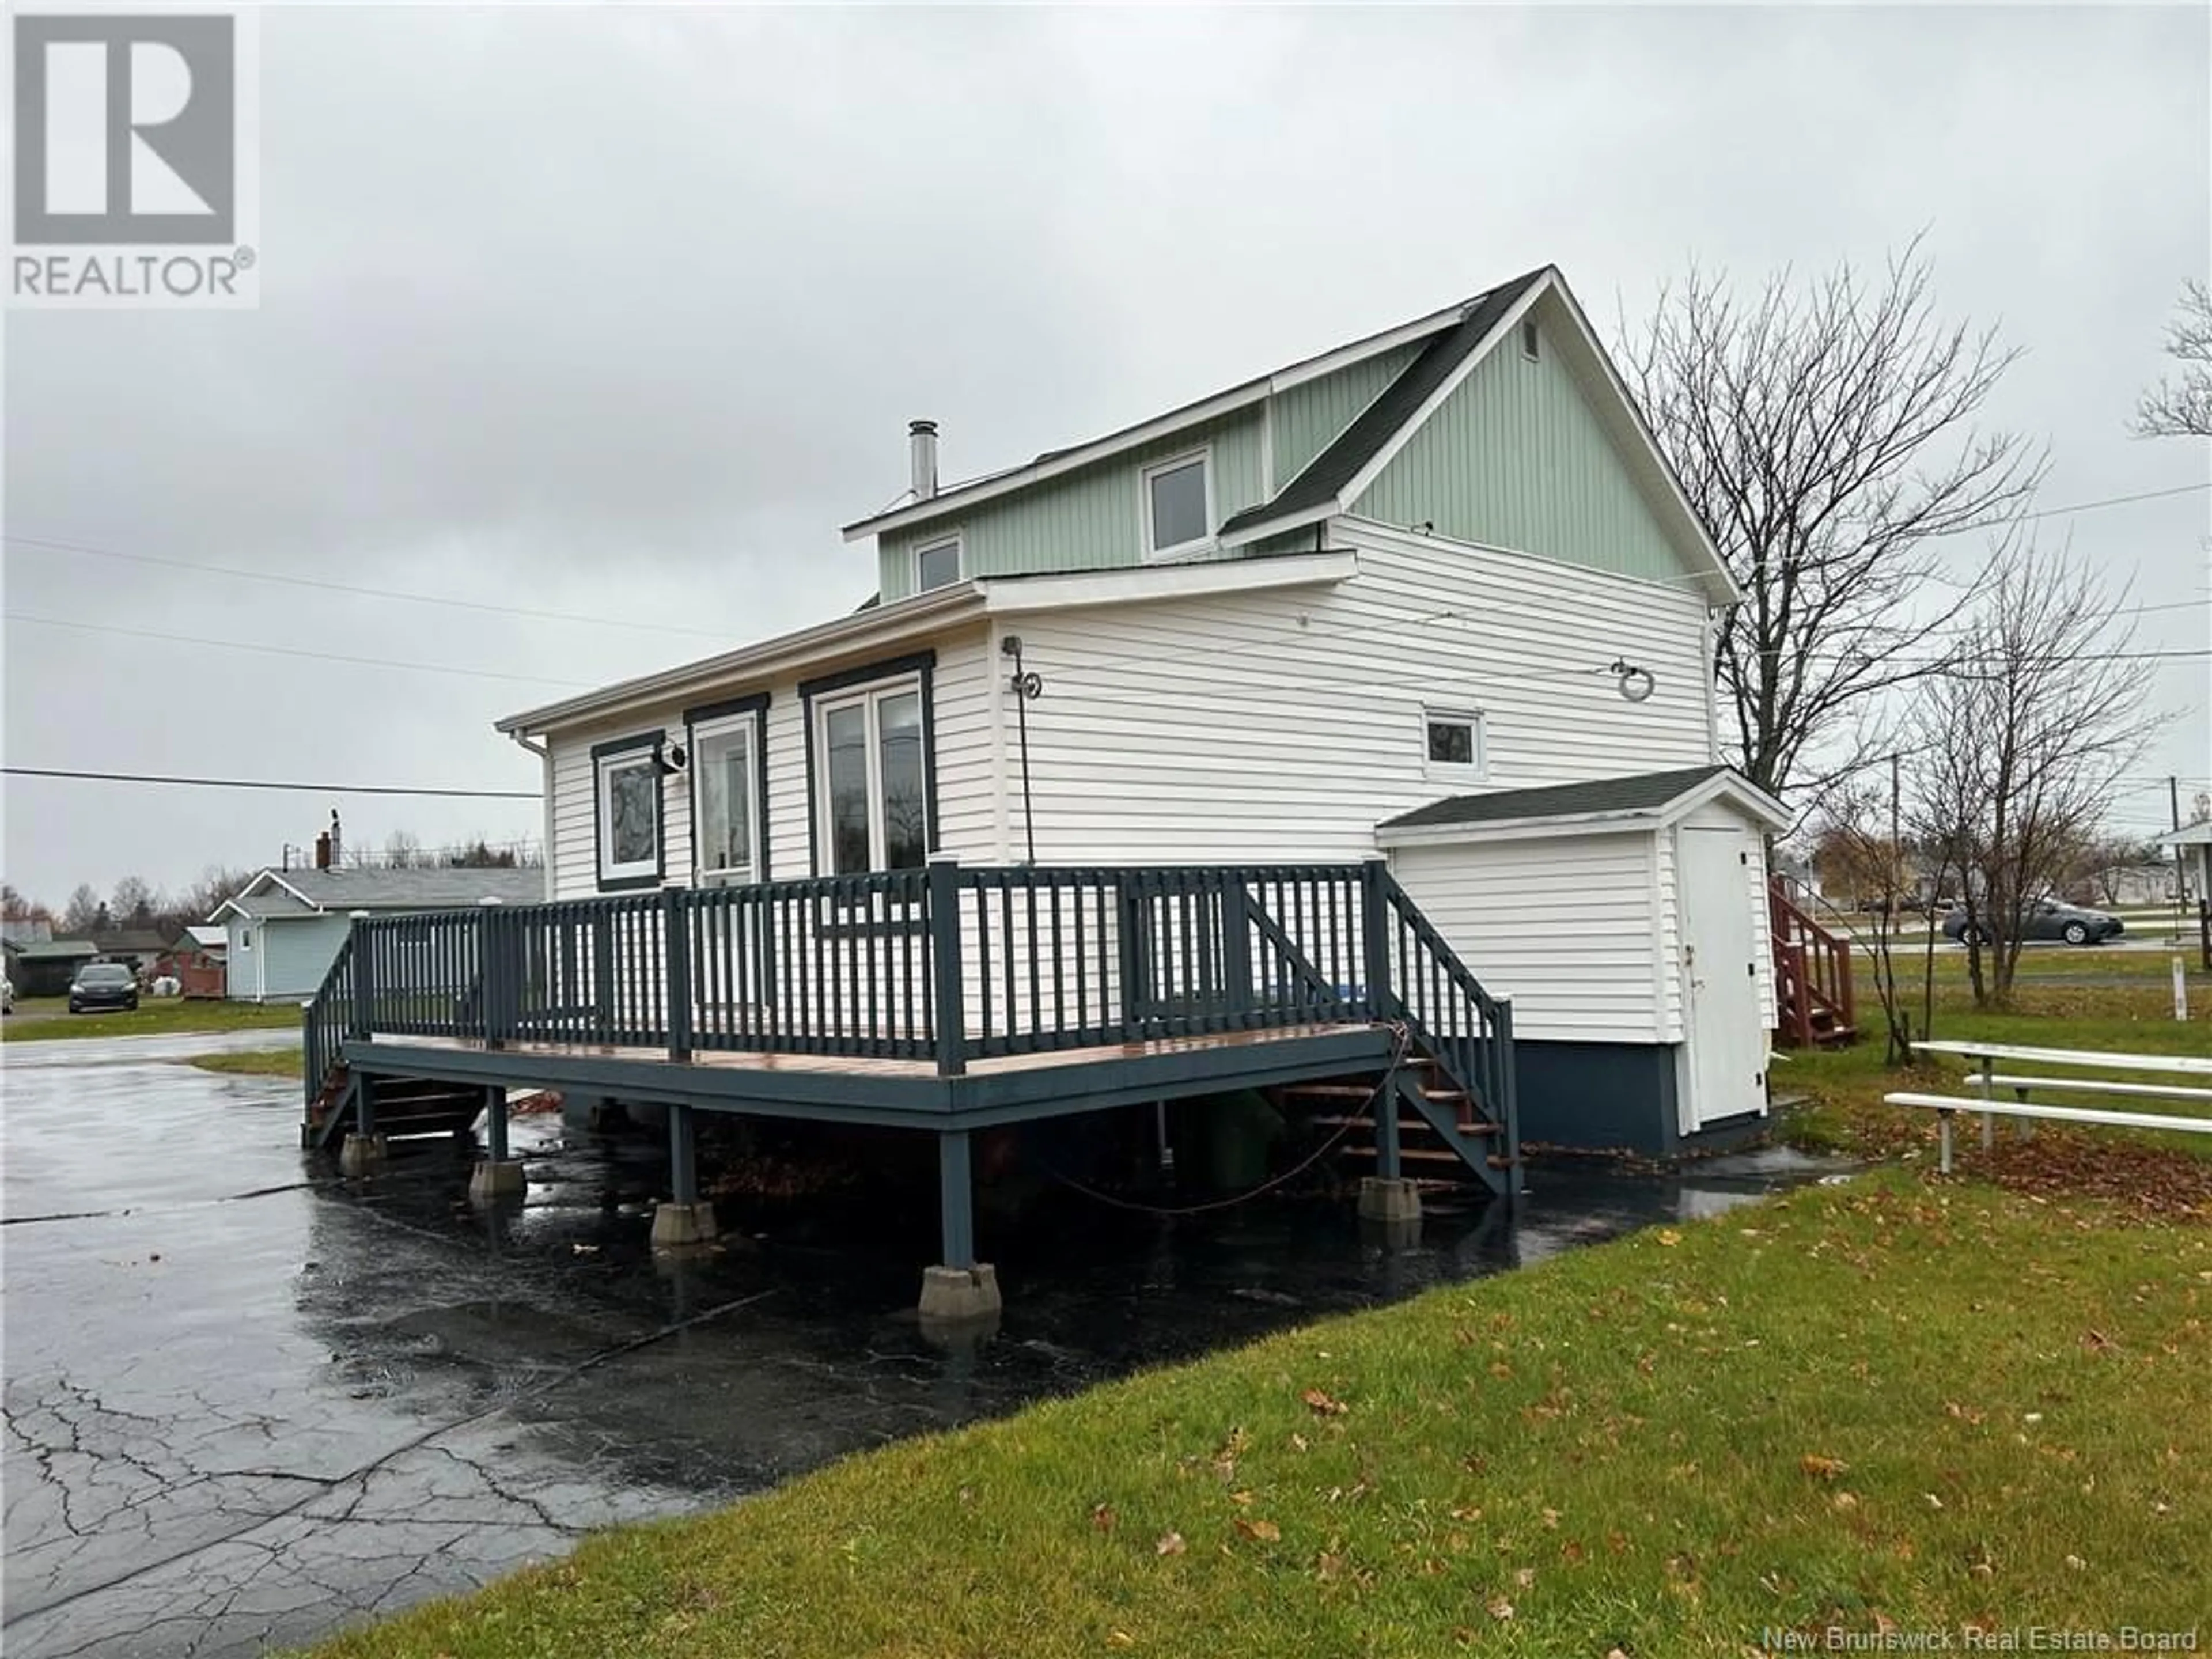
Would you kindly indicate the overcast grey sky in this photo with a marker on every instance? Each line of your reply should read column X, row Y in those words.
column 621, row 313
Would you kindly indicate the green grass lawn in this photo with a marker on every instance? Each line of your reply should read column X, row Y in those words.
column 253, row 1062
column 37, row 1018
column 1928, row 1405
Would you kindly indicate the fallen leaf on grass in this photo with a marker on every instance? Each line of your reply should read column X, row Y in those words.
column 1323, row 1405
column 1500, row 1608
column 1170, row 1544
column 1668, row 1237
column 1102, row 1516
column 1264, row 1532
column 1821, row 1468
column 1119, row 1638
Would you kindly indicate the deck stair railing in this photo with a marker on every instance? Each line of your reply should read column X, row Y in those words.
column 946, row 964
column 1813, row 1002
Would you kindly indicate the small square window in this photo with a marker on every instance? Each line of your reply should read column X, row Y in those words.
column 937, row 565
column 1178, row 505
column 1454, row 741
column 1528, row 338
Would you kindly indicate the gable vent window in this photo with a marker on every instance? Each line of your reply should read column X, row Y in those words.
column 1178, row 505
column 1454, row 745
column 937, row 565
column 1528, row 338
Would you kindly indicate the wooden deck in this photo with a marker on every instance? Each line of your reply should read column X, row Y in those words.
column 1005, row 1088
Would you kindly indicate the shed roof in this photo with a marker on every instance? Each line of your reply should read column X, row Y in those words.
column 52, row 950
column 1652, row 796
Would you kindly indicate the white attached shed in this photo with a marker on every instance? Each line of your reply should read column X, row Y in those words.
column 1626, row 918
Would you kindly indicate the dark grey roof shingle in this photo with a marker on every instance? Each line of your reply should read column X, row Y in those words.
column 1646, row 792
column 1328, row 473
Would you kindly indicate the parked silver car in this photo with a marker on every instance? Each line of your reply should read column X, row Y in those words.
column 2047, row 919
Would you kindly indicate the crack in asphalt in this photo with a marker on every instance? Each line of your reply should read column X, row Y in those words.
column 166, row 1484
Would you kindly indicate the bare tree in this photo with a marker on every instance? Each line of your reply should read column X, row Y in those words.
column 1825, row 433
column 135, row 902
column 84, row 911
column 1861, row 844
column 192, row 907
column 2180, row 406
column 2028, row 728
column 403, row 850
column 19, row 907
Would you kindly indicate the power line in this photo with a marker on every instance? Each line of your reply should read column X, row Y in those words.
column 350, row 587
column 265, row 783
column 293, row 651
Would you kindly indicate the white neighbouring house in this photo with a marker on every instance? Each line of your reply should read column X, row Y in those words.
column 1433, row 595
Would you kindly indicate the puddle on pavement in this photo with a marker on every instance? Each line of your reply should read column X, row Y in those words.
column 239, row 1425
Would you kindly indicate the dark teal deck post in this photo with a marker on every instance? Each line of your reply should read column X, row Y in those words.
column 1375, row 937
column 363, row 1018
column 498, row 973
column 683, row 1155
column 951, row 1014
column 364, row 1106
column 683, row 1220
column 495, row 1117
column 1386, row 1127
column 959, row 1289
column 676, row 937
column 955, row 1196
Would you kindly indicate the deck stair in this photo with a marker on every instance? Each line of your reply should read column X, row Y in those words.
column 405, row 1107
column 1815, row 1007
column 1442, row 1132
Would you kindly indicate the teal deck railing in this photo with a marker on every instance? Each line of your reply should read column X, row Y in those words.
column 947, row 964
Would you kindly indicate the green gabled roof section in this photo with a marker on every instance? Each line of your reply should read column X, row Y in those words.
column 1324, row 478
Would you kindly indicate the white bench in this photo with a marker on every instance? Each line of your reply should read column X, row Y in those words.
column 1944, row 1106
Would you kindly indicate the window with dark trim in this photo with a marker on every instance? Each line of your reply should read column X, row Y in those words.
column 626, row 811
column 729, row 790
column 871, row 767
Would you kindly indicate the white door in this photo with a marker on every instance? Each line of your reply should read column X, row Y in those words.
column 1720, row 972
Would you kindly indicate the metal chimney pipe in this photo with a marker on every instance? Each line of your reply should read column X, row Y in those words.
column 921, row 440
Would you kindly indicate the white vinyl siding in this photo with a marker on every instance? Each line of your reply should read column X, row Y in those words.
column 1284, row 724
column 965, row 771
column 1562, row 925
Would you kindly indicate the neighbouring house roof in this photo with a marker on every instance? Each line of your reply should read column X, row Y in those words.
column 276, row 894
column 137, row 940
column 925, row 616
column 1646, row 798
column 2190, row 835
column 52, row 950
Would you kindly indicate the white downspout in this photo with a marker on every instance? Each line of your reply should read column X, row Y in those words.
column 545, row 789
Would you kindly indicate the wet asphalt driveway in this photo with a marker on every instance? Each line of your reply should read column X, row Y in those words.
column 247, row 1404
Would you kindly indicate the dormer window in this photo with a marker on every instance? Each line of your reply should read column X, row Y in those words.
column 1178, row 505
column 937, row 565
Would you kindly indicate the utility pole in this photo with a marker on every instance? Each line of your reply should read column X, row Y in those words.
column 1896, row 842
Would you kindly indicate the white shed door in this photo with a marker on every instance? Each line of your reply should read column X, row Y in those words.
column 1720, row 965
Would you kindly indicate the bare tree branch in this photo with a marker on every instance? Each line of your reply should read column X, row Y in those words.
column 2180, row 406
column 1826, row 433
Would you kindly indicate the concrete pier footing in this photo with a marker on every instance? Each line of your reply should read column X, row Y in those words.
column 362, row 1154
column 1381, row 1199
column 497, row 1178
column 955, row 1295
column 675, row 1225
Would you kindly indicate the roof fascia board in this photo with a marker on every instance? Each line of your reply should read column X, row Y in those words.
column 1028, row 595
column 1572, row 824
column 859, row 630
column 1282, row 526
